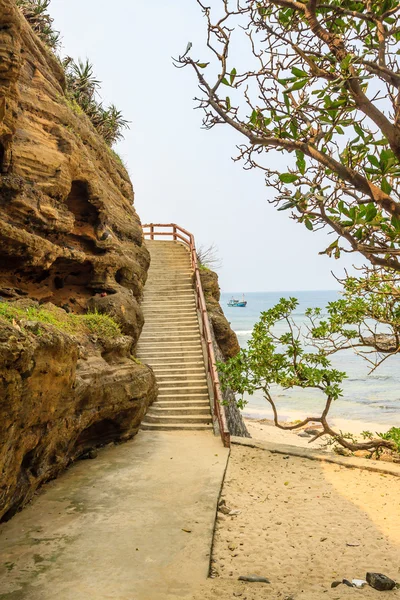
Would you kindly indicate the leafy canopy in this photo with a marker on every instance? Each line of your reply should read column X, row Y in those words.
column 318, row 82
column 299, row 357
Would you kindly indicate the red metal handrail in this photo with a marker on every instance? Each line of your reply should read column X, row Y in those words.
column 178, row 233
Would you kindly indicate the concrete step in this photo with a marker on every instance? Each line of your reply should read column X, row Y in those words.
column 164, row 328
column 179, row 292
column 177, row 391
column 179, row 411
column 164, row 397
column 145, row 426
column 184, row 403
column 152, row 348
column 168, row 316
column 158, row 298
column 175, row 352
column 173, row 300
column 168, row 352
column 168, row 297
column 165, row 288
column 180, row 371
column 168, row 313
column 171, row 366
column 168, row 290
column 167, row 306
column 169, row 333
column 163, row 336
column 178, row 381
column 182, row 264
column 184, row 358
column 162, row 272
column 177, row 419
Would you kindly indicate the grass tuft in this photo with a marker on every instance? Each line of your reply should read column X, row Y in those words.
column 101, row 325
column 95, row 323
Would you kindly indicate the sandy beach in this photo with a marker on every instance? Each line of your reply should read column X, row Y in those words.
column 303, row 524
column 264, row 430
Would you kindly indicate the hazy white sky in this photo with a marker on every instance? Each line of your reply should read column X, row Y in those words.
column 180, row 172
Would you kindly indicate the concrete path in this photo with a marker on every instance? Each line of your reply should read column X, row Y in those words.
column 113, row 528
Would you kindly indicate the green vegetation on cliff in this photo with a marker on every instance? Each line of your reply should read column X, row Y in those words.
column 82, row 87
column 95, row 323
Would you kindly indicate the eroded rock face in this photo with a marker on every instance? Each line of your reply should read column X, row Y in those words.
column 69, row 235
column 226, row 346
column 67, row 226
column 224, row 334
column 61, row 395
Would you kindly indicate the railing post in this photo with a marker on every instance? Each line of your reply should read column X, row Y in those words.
column 152, row 232
column 174, row 233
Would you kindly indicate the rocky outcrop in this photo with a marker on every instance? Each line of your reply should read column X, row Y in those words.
column 69, row 236
column 67, row 227
column 382, row 342
column 224, row 334
column 226, row 345
column 62, row 395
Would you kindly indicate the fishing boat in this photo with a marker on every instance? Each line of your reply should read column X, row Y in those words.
column 235, row 302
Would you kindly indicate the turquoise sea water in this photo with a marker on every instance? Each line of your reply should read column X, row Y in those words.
column 367, row 398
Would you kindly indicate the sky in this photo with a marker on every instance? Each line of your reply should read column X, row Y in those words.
column 180, row 172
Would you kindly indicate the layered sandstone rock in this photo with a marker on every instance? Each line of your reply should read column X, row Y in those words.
column 61, row 395
column 225, row 336
column 69, row 236
column 226, row 346
column 67, row 226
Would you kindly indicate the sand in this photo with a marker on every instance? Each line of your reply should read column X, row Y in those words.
column 265, row 430
column 303, row 524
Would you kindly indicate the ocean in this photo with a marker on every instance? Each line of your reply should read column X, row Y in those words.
column 367, row 399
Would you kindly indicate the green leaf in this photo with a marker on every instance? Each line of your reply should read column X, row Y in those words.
column 395, row 221
column 228, row 103
column 288, row 177
column 358, row 130
column 373, row 160
column 296, row 86
column 232, row 75
column 300, row 163
column 345, row 62
column 308, row 224
column 287, row 205
column 225, row 81
column 202, row 65
column 299, row 72
column 385, row 186
column 370, row 213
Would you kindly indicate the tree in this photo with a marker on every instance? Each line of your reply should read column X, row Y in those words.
column 284, row 360
column 322, row 85
column 317, row 84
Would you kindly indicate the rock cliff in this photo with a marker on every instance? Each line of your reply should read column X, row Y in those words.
column 226, row 345
column 69, row 236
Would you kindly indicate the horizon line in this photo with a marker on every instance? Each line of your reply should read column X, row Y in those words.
column 279, row 291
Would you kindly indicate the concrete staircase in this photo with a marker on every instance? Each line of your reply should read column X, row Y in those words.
column 170, row 342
